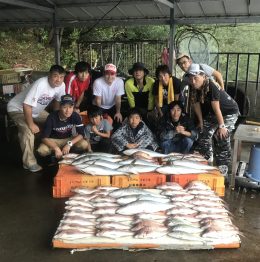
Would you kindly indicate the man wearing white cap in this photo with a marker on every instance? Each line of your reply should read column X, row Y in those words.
column 108, row 90
column 184, row 61
column 217, row 113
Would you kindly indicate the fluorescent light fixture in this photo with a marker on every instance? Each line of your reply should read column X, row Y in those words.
column 165, row 2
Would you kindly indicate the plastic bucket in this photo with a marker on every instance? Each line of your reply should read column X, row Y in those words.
column 254, row 164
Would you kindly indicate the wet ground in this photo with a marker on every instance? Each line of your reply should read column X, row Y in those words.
column 29, row 217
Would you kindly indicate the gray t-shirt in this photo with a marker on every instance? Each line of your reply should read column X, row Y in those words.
column 104, row 127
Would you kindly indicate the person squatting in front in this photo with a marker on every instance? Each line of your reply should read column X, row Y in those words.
column 134, row 133
column 57, row 136
column 217, row 114
column 98, row 131
column 178, row 132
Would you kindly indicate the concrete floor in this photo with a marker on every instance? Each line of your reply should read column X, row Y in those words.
column 30, row 216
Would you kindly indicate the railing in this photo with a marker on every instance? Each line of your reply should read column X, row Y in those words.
column 240, row 70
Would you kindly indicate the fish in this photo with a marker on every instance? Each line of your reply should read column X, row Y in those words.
column 78, row 221
column 70, row 155
column 97, row 170
column 100, row 154
column 105, row 211
column 178, row 170
column 187, row 228
column 94, row 157
column 90, row 229
column 87, row 215
column 105, row 204
column 196, row 184
column 72, row 202
column 79, row 207
column 113, row 225
column 84, row 190
column 106, row 163
column 181, row 211
column 170, row 186
column 219, row 233
column 155, row 225
column 144, row 206
column 103, row 199
column 127, row 199
column 207, row 209
column 197, row 192
column 186, row 236
column 223, row 215
column 151, row 153
column 193, row 164
column 136, row 169
column 66, row 161
column 114, row 233
column 152, row 216
column 179, row 221
column 128, row 191
column 149, row 233
column 185, row 204
column 145, row 163
column 182, row 198
column 72, row 234
column 153, row 198
column 116, row 217
column 190, row 218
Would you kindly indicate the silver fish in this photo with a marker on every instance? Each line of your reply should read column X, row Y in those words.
column 72, row 234
column 97, row 170
column 151, row 153
column 181, row 211
column 178, row 170
column 149, row 233
column 114, row 233
column 105, row 211
column 72, row 202
column 128, row 191
column 113, row 225
column 116, row 217
column 152, row 216
column 106, row 163
column 86, row 215
column 67, row 161
column 84, row 190
column 142, row 206
column 170, row 186
column 187, row 228
column 145, row 163
column 196, row 184
column 136, row 169
column 186, row 236
column 193, row 164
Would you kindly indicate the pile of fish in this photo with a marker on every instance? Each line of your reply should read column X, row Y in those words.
column 192, row 214
column 136, row 161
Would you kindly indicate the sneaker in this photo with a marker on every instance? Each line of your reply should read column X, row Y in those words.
column 223, row 170
column 33, row 168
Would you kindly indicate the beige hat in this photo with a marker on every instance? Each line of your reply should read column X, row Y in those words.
column 181, row 55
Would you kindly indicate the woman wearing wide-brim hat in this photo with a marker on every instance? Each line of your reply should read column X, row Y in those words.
column 138, row 89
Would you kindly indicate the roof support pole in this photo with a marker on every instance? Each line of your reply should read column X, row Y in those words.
column 56, row 38
column 171, row 43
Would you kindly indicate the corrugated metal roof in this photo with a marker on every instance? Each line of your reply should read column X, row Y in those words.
column 125, row 12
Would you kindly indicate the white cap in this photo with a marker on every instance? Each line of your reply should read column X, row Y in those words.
column 195, row 69
column 110, row 68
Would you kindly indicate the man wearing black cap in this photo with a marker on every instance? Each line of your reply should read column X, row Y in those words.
column 58, row 136
column 139, row 89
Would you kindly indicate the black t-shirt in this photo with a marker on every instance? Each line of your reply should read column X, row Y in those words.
column 56, row 128
column 228, row 105
column 176, row 86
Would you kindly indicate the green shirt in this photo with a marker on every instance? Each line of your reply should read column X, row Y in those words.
column 142, row 98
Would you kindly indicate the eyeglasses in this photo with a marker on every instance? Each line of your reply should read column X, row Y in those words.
column 110, row 73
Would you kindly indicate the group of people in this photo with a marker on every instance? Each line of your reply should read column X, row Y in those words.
column 157, row 118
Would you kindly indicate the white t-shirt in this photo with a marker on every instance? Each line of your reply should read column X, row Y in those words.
column 108, row 92
column 39, row 95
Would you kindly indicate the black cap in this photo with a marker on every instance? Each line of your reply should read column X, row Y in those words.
column 138, row 66
column 66, row 99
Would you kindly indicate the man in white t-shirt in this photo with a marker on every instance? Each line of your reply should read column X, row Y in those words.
column 108, row 90
column 27, row 110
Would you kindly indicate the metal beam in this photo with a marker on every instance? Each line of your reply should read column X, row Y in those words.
column 27, row 5
column 104, row 3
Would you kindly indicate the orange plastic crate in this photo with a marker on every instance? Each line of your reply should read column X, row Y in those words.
column 143, row 180
column 215, row 181
column 68, row 177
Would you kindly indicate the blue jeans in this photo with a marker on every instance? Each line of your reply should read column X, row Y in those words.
column 181, row 146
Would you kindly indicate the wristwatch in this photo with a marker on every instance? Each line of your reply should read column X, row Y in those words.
column 222, row 126
column 69, row 143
